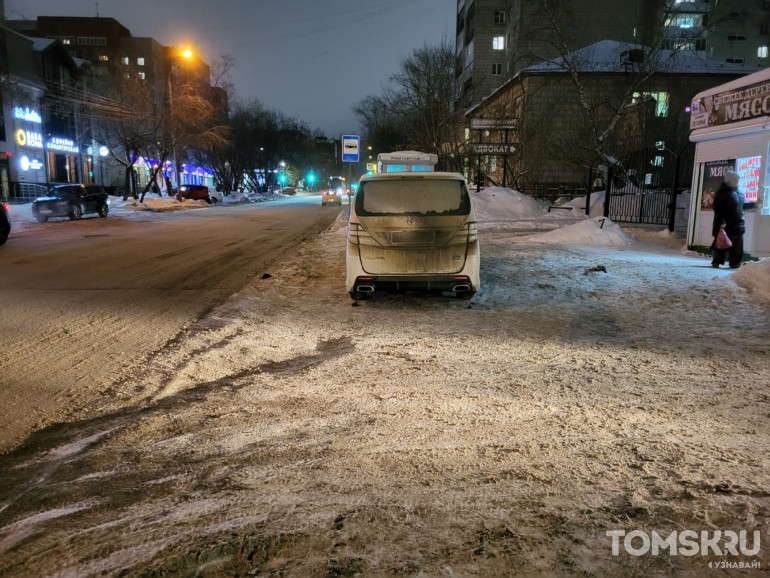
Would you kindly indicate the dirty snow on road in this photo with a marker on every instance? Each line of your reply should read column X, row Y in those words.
column 604, row 382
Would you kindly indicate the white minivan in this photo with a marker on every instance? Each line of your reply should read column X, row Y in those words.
column 412, row 231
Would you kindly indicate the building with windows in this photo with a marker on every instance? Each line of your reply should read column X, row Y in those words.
column 557, row 90
column 113, row 52
column 552, row 134
column 498, row 38
column 42, row 131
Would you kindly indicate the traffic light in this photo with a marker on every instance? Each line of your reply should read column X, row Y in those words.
column 283, row 178
column 311, row 177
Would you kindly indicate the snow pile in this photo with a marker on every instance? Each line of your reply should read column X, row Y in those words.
column 597, row 231
column 162, row 204
column 755, row 278
column 500, row 203
column 596, row 208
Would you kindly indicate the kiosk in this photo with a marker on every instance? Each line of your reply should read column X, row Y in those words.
column 730, row 126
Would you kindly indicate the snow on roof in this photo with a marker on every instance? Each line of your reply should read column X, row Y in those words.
column 41, row 44
column 606, row 56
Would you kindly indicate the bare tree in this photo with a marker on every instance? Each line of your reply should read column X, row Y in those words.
column 416, row 110
column 576, row 106
column 126, row 118
column 259, row 139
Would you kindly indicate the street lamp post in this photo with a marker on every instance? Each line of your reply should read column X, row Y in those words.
column 185, row 54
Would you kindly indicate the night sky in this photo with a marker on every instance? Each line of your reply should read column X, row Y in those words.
column 310, row 59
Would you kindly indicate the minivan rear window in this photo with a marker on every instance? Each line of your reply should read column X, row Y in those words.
column 413, row 197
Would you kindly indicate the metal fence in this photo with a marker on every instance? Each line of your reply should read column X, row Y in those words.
column 643, row 187
column 26, row 192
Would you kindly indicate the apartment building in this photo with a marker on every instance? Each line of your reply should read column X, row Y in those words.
column 112, row 49
column 40, row 136
column 113, row 52
column 498, row 38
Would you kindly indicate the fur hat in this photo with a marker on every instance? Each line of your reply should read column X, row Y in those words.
column 731, row 178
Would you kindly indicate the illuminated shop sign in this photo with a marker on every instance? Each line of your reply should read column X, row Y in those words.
column 33, row 139
column 62, row 144
column 29, row 138
column 27, row 114
column 745, row 103
column 28, row 164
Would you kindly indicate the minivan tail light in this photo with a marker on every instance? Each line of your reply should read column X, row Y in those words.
column 473, row 232
column 353, row 229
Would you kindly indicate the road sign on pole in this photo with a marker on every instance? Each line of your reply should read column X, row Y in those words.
column 492, row 148
column 350, row 146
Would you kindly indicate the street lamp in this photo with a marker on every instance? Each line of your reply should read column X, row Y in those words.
column 185, row 54
column 103, row 152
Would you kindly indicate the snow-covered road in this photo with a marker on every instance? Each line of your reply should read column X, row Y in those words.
column 603, row 380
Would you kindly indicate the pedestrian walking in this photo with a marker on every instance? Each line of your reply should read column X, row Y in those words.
column 728, row 213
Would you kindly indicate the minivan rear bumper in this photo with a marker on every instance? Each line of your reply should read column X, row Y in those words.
column 402, row 283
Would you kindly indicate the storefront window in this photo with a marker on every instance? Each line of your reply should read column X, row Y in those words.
column 749, row 170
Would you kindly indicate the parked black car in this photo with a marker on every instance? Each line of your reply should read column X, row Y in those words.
column 5, row 223
column 71, row 201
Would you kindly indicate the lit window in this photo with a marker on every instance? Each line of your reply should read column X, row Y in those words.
column 124, row 60
column 141, row 75
column 498, row 43
column 104, row 58
column 762, row 52
column 661, row 101
column 140, row 61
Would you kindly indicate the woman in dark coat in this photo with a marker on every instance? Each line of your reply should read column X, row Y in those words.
column 728, row 211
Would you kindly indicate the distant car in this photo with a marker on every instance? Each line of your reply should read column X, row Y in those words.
column 331, row 197
column 216, row 196
column 289, row 190
column 195, row 192
column 72, row 201
column 5, row 222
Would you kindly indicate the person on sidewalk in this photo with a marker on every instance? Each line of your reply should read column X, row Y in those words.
column 728, row 211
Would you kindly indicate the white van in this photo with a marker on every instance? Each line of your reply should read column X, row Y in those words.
column 412, row 231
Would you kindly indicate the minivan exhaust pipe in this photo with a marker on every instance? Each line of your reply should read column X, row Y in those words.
column 365, row 288
column 460, row 288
